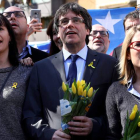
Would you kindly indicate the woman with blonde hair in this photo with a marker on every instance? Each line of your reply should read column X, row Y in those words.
column 123, row 95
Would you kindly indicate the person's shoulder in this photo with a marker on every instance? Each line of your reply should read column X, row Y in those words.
column 118, row 48
column 103, row 57
column 22, row 67
column 117, row 86
column 55, row 55
column 47, row 60
column 23, row 71
column 38, row 51
column 117, row 52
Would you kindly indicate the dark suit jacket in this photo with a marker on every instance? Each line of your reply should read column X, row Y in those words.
column 37, row 55
column 44, row 86
column 117, row 52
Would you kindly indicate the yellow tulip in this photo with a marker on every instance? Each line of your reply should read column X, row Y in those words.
column 90, row 92
column 82, row 82
column 73, row 88
column 138, row 124
column 64, row 87
column 132, row 115
column 84, row 93
column 78, row 83
column 80, row 90
column 135, row 108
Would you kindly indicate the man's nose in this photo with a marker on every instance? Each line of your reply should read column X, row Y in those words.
column 98, row 34
column 12, row 16
column 58, row 36
column 70, row 23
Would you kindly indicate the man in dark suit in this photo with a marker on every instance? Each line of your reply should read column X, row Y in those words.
column 18, row 20
column 130, row 20
column 41, row 110
column 117, row 52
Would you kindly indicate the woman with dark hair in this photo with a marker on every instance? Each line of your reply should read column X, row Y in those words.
column 56, row 44
column 13, row 79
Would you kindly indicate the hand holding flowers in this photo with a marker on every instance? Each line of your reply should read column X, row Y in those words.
column 76, row 102
column 81, row 126
column 59, row 134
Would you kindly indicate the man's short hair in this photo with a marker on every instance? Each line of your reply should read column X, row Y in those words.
column 132, row 15
column 103, row 27
column 78, row 10
column 21, row 6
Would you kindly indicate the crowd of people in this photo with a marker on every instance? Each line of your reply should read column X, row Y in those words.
column 31, row 80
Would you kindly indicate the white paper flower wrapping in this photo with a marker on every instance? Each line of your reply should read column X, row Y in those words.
column 65, row 107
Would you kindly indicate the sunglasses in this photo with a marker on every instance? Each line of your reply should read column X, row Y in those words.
column 17, row 14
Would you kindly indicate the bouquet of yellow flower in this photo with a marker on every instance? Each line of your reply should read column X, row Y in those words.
column 132, row 127
column 76, row 101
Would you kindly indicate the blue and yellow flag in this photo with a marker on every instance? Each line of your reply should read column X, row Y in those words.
column 112, row 20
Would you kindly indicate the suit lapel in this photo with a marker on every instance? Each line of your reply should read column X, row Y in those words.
column 92, row 56
column 58, row 62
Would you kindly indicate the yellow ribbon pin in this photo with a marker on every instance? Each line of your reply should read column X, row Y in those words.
column 14, row 85
column 91, row 65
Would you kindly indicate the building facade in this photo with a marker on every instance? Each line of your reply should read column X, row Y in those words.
column 49, row 7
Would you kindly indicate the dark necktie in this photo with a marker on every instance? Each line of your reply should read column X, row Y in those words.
column 72, row 70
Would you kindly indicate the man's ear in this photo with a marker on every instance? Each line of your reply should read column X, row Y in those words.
column 88, row 32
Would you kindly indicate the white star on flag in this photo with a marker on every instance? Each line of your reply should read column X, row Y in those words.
column 108, row 22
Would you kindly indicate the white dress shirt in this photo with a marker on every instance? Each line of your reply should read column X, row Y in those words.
column 80, row 62
column 26, row 50
column 131, row 89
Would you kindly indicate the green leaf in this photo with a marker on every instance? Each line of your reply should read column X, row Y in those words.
column 74, row 81
column 67, row 118
column 70, row 90
column 75, row 98
column 126, row 127
column 66, row 115
column 67, row 86
column 134, row 124
column 73, row 104
column 67, row 94
column 87, row 88
column 135, row 137
column 79, row 105
column 67, row 131
column 82, row 109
